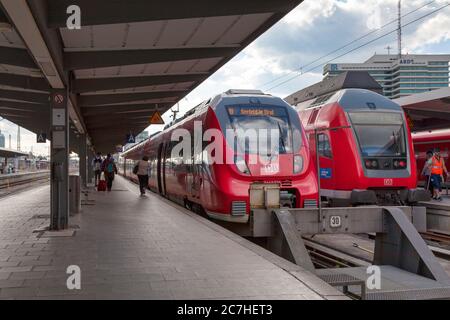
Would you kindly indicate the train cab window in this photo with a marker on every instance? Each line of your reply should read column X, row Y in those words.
column 324, row 146
column 270, row 118
column 380, row 134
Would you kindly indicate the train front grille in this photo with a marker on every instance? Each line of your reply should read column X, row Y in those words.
column 310, row 203
column 238, row 208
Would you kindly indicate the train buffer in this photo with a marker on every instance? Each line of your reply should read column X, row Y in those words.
column 406, row 267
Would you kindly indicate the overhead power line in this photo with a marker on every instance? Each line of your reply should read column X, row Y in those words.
column 347, row 44
column 361, row 46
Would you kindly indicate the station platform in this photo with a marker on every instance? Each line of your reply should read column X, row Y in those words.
column 438, row 214
column 132, row 247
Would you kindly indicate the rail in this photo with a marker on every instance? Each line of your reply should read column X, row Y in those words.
column 14, row 180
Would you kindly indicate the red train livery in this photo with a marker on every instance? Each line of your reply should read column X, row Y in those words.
column 364, row 146
column 428, row 141
column 220, row 189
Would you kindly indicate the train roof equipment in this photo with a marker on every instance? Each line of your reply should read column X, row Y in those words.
column 327, row 87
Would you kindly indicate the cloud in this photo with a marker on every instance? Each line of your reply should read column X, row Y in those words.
column 433, row 31
column 316, row 28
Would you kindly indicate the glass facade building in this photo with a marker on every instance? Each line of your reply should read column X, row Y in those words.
column 400, row 77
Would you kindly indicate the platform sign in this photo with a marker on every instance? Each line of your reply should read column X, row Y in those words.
column 156, row 118
column 335, row 221
column 325, row 173
column 41, row 137
column 131, row 138
column 59, row 117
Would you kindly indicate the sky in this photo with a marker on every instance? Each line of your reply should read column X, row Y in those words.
column 311, row 31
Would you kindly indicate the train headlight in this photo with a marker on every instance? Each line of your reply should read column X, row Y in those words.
column 371, row 164
column 400, row 163
column 241, row 164
column 298, row 164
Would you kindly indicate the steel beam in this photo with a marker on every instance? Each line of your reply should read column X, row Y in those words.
column 44, row 44
column 24, row 82
column 24, row 105
column 24, row 96
column 33, row 114
column 118, row 117
column 110, row 12
column 287, row 241
column 401, row 245
column 105, row 99
column 100, row 84
column 112, row 58
column 124, row 109
column 3, row 17
column 16, row 57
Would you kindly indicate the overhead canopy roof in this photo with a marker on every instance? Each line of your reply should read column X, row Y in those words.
column 429, row 110
column 129, row 58
column 7, row 153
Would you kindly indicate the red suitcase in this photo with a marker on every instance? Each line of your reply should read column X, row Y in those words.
column 101, row 185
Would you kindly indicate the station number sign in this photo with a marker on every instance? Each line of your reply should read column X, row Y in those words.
column 335, row 221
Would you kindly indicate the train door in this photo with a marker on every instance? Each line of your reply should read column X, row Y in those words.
column 327, row 165
column 163, row 173
column 159, row 168
column 197, row 166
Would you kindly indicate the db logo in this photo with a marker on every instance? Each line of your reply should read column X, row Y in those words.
column 388, row 182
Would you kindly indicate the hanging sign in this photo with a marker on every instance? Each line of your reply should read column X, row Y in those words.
column 156, row 118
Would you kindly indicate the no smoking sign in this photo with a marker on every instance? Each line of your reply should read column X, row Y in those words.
column 58, row 98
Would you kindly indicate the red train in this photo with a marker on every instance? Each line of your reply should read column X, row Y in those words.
column 428, row 141
column 221, row 188
column 364, row 144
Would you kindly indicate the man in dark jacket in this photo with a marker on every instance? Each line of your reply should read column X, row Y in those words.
column 109, row 169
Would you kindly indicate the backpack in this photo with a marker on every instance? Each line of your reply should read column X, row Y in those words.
column 110, row 167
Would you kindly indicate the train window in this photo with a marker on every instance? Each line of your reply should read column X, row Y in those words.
column 380, row 134
column 324, row 146
column 313, row 116
column 268, row 118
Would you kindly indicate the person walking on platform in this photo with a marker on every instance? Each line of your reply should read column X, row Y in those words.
column 426, row 171
column 437, row 170
column 141, row 170
column 97, row 165
column 109, row 169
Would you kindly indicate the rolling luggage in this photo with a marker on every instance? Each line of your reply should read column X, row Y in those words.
column 101, row 185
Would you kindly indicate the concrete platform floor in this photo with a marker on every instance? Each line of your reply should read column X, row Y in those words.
column 131, row 247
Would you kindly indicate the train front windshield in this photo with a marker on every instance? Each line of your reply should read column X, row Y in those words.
column 380, row 134
column 267, row 129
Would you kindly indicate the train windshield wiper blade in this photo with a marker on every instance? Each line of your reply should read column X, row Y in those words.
column 281, row 138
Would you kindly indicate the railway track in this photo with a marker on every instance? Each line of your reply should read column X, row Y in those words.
column 16, row 180
column 324, row 256
column 13, row 183
column 436, row 236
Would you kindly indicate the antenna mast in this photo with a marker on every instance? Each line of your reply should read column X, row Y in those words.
column 399, row 30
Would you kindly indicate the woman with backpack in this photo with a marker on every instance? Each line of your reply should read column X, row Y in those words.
column 109, row 169
column 141, row 170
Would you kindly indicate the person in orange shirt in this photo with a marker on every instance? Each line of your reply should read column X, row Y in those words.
column 437, row 170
